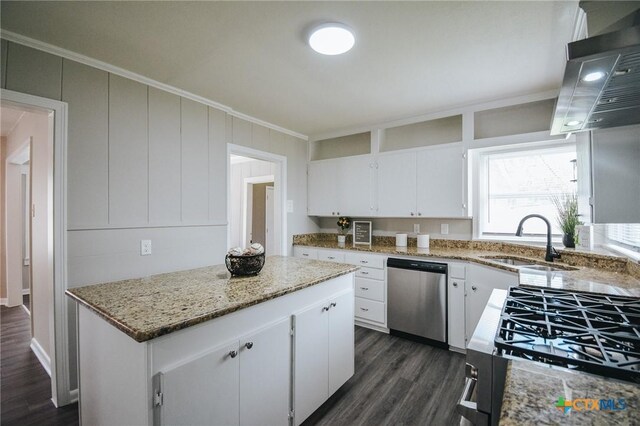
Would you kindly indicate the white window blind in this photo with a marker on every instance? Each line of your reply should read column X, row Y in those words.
column 627, row 234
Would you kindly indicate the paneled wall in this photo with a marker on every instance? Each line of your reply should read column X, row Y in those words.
column 144, row 164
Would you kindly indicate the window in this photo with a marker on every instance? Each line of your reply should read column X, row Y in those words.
column 626, row 235
column 516, row 181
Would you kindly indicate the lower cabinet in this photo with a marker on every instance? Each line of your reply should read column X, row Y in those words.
column 455, row 306
column 243, row 382
column 324, row 352
column 481, row 281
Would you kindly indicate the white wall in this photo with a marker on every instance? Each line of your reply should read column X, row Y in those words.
column 144, row 164
column 40, row 128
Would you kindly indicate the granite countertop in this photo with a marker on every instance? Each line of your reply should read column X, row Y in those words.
column 150, row 307
column 532, row 391
column 591, row 272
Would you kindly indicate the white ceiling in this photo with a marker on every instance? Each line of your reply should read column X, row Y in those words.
column 9, row 117
column 410, row 58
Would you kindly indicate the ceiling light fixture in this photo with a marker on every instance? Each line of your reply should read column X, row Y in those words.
column 593, row 76
column 332, row 39
column 573, row 123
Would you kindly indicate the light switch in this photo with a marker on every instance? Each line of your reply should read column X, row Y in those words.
column 289, row 206
column 444, row 228
column 145, row 247
column 416, row 228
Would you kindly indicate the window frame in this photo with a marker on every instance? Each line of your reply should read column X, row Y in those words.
column 479, row 185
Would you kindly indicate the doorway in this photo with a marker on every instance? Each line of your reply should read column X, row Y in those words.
column 255, row 202
column 33, row 150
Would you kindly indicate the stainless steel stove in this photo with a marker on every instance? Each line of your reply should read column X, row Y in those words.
column 598, row 334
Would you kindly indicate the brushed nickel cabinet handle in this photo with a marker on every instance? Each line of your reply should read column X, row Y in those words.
column 233, row 354
column 248, row 345
column 364, row 309
column 364, row 288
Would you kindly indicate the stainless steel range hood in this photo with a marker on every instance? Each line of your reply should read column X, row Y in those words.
column 586, row 102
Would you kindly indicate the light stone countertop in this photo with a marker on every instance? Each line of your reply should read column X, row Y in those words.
column 150, row 307
column 593, row 272
column 532, row 391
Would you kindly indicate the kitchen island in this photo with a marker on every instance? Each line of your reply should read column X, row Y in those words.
column 202, row 347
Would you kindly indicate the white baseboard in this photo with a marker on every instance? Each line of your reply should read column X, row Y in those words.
column 73, row 396
column 372, row 326
column 26, row 291
column 3, row 301
column 41, row 355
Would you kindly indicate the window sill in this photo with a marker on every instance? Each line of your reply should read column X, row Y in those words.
column 520, row 240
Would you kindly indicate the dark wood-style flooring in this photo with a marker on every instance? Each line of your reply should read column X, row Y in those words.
column 396, row 382
column 25, row 386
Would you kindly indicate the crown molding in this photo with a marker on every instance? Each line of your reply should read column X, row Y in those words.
column 77, row 57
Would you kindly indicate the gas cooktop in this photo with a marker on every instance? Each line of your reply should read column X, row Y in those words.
column 599, row 334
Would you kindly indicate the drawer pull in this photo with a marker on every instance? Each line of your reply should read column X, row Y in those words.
column 305, row 254
column 364, row 309
column 364, row 272
column 330, row 257
column 364, row 288
column 364, row 261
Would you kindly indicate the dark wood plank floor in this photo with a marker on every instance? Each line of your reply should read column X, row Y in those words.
column 25, row 386
column 397, row 382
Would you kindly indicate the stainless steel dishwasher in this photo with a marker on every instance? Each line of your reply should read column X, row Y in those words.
column 417, row 299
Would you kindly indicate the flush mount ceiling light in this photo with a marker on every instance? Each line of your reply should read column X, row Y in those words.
column 593, row 76
column 573, row 123
column 332, row 39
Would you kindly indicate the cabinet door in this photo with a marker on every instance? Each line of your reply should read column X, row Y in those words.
column 323, row 191
column 341, row 343
column 481, row 281
column 440, row 184
column 456, row 307
column 265, row 372
column 203, row 391
column 397, row 185
column 355, row 176
column 311, row 365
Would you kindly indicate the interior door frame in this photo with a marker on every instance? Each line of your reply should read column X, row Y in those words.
column 61, row 394
column 247, row 200
column 280, row 189
column 266, row 216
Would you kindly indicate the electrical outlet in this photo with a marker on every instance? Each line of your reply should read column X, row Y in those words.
column 444, row 228
column 416, row 228
column 145, row 247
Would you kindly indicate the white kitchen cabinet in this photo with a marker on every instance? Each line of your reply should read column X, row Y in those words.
column 323, row 179
column 397, row 185
column 341, row 187
column 305, row 252
column 324, row 352
column 370, row 288
column 203, row 390
column 481, row 281
column 244, row 382
column 456, row 308
column 265, row 364
column 440, row 182
column 331, row 256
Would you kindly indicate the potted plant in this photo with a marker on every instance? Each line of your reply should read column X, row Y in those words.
column 344, row 223
column 567, row 216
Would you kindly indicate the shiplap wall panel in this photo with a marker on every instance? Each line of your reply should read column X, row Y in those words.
column 217, row 166
column 128, row 152
column 33, row 71
column 259, row 137
column 3, row 63
column 195, row 163
column 241, row 132
column 277, row 143
column 165, row 166
column 86, row 90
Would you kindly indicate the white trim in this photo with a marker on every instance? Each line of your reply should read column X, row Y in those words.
column 363, row 323
column 73, row 395
column 58, row 321
column 3, row 301
column 41, row 355
column 68, row 54
column 26, row 291
column 280, row 185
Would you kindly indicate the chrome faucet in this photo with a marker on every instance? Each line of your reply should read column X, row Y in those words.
column 551, row 252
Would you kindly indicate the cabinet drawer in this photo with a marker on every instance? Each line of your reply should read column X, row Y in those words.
column 331, row 256
column 374, row 274
column 370, row 289
column 306, row 253
column 368, row 260
column 370, row 310
column 457, row 271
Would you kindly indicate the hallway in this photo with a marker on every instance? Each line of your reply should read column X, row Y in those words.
column 26, row 387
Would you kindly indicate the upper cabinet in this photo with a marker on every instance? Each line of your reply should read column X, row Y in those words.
column 397, row 185
column 615, row 175
column 440, row 182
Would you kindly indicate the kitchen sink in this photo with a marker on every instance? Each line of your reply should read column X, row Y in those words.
column 510, row 261
column 528, row 264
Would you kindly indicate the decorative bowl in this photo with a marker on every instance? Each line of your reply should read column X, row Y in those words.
column 244, row 265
